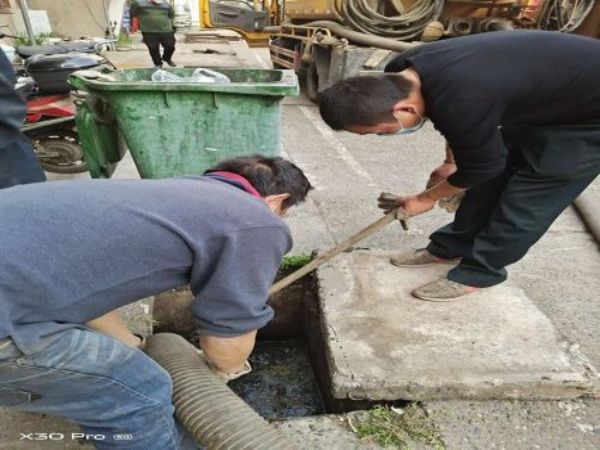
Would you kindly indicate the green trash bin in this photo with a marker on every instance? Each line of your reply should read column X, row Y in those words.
column 180, row 128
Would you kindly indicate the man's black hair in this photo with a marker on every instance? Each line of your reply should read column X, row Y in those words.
column 364, row 100
column 269, row 176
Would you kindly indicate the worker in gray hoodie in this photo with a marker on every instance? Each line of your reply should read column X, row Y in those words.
column 73, row 251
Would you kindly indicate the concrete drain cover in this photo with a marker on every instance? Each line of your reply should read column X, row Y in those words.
column 383, row 344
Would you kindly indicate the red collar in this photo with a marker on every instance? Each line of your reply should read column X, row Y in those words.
column 240, row 179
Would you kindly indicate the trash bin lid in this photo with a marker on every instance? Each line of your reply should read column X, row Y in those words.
column 66, row 61
column 264, row 82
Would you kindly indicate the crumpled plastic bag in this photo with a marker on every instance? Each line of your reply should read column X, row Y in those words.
column 200, row 75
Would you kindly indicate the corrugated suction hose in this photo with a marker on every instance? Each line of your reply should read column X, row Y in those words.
column 212, row 412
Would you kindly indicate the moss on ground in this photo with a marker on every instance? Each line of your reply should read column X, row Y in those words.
column 294, row 262
column 397, row 427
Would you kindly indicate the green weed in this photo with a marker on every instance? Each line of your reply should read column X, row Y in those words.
column 294, row 262
column 393, row 429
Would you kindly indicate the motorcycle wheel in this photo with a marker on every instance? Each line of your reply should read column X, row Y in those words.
column 60, row 152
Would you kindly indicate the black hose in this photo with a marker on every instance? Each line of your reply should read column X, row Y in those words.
column 212, row 412
column 363, row 38
column 388, row 18
column 495, row 24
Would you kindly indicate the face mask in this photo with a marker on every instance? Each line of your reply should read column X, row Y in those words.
column 404, row 130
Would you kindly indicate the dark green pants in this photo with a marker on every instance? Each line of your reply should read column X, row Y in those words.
column 499, row 220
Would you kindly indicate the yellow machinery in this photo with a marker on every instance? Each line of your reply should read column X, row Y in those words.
column 327, row 40
column 250, row 18
column 403, row 19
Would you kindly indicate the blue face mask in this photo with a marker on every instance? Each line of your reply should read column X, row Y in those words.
column 404, row 130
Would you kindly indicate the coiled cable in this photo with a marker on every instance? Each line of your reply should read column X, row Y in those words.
column 563, row 15
column 388, row 18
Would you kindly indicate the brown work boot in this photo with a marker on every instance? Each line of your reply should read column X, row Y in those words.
column 443, row 290
column 419, row 257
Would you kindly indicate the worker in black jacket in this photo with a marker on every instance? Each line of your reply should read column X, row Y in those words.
column 18, row 163
column 520, row 112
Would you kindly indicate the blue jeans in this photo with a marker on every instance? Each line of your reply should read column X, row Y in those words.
column 114, row 392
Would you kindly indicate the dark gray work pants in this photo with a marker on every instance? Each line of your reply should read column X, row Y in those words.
column 18, row 164
column 499, row 220
column 154, row 40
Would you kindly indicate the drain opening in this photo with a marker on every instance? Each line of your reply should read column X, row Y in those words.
column 290, row 376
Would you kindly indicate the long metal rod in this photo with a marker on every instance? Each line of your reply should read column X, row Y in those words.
column 28, row 27
column 336, row 250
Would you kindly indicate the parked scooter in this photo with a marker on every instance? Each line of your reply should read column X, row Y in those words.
column 50, row 125
column 50, row 120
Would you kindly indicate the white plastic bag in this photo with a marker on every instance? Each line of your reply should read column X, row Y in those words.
column 202, row 75
column 166, row 77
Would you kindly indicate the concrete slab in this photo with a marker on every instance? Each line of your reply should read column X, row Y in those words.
column 383, row 344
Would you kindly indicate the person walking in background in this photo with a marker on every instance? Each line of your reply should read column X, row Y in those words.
column 155, row 19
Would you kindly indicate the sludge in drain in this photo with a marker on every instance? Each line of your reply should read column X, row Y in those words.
column 282, row 383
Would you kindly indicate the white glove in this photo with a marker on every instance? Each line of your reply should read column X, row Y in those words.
column 226, row 377
column 142, row 343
